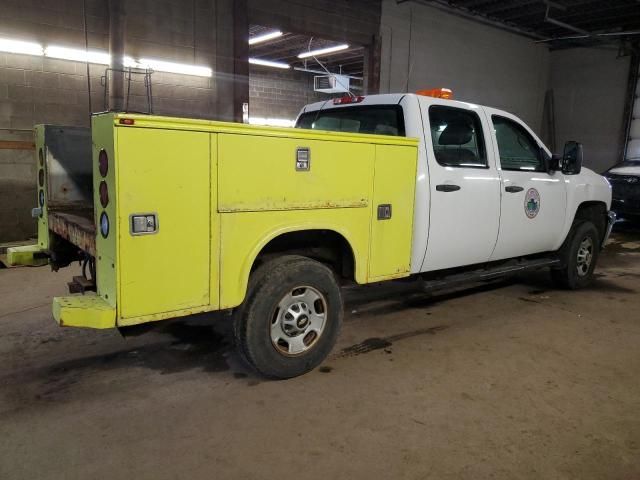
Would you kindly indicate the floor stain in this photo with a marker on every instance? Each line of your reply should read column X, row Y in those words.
column 377, row 343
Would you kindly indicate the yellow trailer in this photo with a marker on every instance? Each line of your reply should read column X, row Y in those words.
column 193, row 216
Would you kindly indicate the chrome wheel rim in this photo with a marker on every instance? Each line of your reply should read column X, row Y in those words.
column 298, row 321
column 585, row 256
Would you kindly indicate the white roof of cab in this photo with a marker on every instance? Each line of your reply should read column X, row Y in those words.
column 382, row 99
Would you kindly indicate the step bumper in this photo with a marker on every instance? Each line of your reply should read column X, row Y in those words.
column 31, row 255
column 89, row 311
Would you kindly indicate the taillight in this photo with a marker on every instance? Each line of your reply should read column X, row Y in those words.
column 41, row 157
column 41, row 177
column 41, row 198
column 104, row 194
column 104, row 224
column 347, row 100
column 103, row 163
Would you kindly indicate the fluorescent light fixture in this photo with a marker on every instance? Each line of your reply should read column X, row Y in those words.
column 17, row 46
column 264, row 37
column 272, row 122
column 130, row 62
column 268, row 63
column 77, row 55
column 171, row 67
column 323, row 51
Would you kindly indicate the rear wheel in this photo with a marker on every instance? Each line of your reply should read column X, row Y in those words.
column 579, row 256
column 291, row 317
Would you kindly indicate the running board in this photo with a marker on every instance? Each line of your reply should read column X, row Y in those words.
column 487, row 274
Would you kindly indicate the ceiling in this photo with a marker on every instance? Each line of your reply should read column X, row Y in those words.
column 556, row 22
column 287, row 47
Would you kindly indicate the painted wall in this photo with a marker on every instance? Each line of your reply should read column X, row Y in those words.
column 423, row 47
column 589, row 87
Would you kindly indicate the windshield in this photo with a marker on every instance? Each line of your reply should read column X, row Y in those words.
column 375, row 119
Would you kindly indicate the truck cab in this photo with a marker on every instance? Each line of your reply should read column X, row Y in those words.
column 487, row 188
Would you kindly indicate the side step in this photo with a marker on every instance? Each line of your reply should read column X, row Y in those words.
column 490, row 273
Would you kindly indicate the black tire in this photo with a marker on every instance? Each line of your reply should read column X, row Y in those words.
column 281, row 281
column 575, row 274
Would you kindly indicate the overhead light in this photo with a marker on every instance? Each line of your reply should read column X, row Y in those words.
column 130, row 62
column 264, row 37
column 17, row 46
column 323, row 51
column 171, row 67
column 78, row 55
column 268, row 63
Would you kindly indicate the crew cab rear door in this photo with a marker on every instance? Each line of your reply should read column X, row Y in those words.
column 533, row 201
column 463, row 183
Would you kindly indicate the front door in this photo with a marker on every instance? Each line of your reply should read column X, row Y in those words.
column 464, row 187
column 532, row 209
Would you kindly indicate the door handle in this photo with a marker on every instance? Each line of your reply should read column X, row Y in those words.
column 513, row 189
column 447, row 187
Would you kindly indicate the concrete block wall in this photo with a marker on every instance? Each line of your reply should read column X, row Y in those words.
column 589, row 87
column 17, row 188
column 423, row 47
column 280, row 94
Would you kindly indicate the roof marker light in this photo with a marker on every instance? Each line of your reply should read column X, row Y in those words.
column 268, row 63
column 445, row 93
column 264, row 37
column 323, row 51
column 127, row 121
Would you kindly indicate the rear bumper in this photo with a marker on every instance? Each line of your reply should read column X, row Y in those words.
column 89, row 311
column 611, row 219
column 31, row 255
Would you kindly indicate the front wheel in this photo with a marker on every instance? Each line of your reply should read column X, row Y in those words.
column 579, row 257
column 291, row 317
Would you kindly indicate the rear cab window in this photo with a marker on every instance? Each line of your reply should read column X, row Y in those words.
column 374, row 119
column 457, row 137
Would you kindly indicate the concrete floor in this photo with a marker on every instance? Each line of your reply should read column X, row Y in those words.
column 514, row 380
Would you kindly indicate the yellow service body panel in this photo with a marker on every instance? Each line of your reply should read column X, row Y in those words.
column 219, row 193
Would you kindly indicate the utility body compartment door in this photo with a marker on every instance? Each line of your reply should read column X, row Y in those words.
column 533, row 201
column 464, row 185
column 165, row 173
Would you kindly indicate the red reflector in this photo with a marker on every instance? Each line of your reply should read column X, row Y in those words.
column 126, row 121
column 103, row 163
column 104, row 194
column 347, row 100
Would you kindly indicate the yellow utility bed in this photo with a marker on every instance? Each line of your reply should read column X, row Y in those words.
column 183, row 209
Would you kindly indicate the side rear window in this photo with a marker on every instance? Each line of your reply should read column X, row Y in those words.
column 457, row 137
column 517, row 148
column 375, row 119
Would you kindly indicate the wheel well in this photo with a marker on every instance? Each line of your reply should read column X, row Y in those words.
column 326, row 246
column 595, row 212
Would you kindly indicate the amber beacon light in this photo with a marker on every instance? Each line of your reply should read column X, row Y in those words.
column 445, row 93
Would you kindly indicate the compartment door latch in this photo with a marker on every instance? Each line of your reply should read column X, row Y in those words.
column 384, row 211
column 143, row 223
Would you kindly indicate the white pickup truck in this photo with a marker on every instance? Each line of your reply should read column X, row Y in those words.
column 270, row 222
column 487, row 188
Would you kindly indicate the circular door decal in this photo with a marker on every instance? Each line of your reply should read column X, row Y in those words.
column 532, row 203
